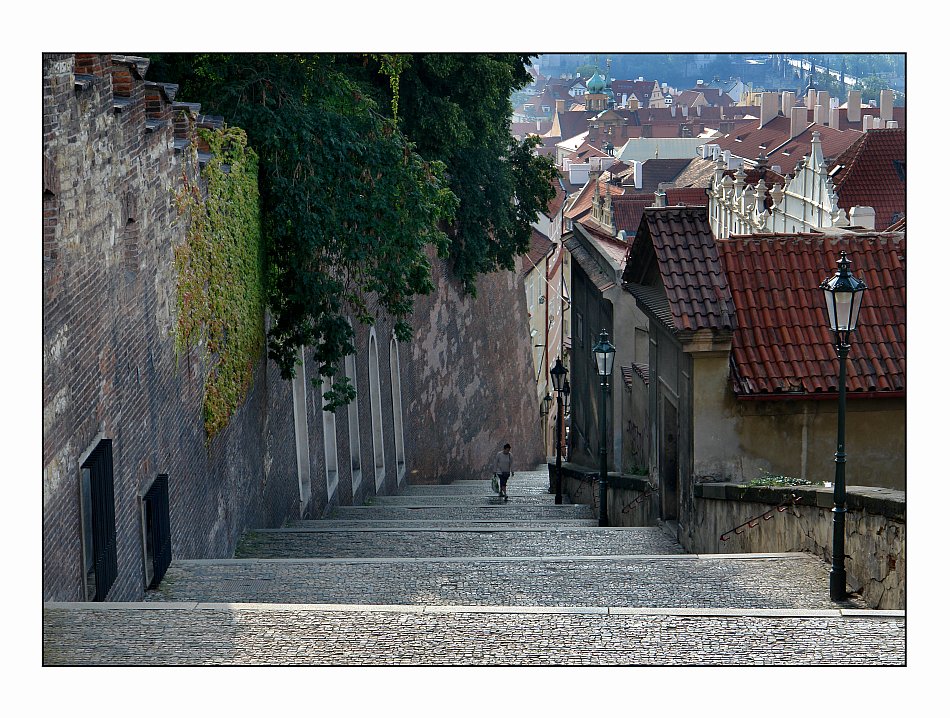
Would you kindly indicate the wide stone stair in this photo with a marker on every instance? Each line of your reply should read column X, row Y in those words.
column 452, row 574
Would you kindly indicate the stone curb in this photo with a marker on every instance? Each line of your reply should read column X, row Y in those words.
column 508, row 559
column 530, row 610
column 454, row 529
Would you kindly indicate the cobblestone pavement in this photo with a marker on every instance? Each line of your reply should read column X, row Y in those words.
column 372, row 525
column 467, row 499
column 186, row 634
column 405, row 543
column 510, row 511
column 441, row 575
column 746, row 581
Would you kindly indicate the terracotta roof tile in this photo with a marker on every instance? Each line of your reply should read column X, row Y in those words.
column 873, row 174
column 781, row 343
column 540, row 247
column 694, row 284
column 833, row 143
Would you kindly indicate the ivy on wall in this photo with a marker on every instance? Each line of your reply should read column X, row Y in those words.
column 220, row 293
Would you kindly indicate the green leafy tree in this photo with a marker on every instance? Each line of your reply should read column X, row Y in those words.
column 456, row 109
column 353, row 195
column 349, row 207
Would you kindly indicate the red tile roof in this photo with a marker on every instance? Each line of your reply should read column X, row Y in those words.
column 585, row 199
column 680, row 243
column 539, row 248
column 833, row 143
column 782, row 344
column 628, row 210
column 872, row 174
column 691, row 196
column 555, row 205
column 661, row 170
column 573, row 123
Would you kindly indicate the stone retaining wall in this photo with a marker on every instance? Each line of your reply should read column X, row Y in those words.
column 875, row 525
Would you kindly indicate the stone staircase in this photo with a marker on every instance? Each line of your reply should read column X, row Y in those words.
column 452, row 574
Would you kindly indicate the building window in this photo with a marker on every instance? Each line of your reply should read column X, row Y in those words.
column 329, row 442
column 376, row 410
column 398, row 434
column 156, row 531
column 97, row 508
column 353, row 418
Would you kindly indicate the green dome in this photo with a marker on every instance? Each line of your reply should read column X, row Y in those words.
column 596, row 83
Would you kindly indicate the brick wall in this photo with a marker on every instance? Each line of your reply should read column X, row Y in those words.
column 110, row 368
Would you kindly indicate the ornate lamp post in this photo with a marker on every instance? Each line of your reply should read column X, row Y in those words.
column 558, row 376
column 843, row 293
column 604, row 354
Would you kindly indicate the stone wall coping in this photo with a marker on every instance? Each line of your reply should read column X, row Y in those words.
column 889, row 503
column 615, row 480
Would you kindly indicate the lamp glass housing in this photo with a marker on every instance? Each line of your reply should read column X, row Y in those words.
column 546, row 404
column 604, row 354
column 558, row 375
column 843, row 295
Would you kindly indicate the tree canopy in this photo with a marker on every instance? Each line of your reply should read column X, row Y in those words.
column 365, row 162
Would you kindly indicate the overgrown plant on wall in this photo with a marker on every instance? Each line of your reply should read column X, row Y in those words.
column 220, row 293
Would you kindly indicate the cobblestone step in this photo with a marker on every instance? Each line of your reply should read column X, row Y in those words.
column 515, row 488
column 360, row 635
column 437, row 524
column 506, row 511
column 667, row 581
column 470, row 499
column 419, row 543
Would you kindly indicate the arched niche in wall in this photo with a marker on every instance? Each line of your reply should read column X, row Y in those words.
column 301, row 433
column 376, row 407
column 353, row 422
column 398, row 432
column 329, row 442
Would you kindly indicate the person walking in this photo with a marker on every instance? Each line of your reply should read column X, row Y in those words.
column 503, row 469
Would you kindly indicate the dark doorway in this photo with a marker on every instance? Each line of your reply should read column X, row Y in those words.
column 669, row 463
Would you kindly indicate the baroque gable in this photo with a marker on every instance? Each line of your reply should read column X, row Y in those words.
column 806, row 200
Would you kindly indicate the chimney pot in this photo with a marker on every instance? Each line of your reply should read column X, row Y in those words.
column 854, row 105
column 799, row 121
column 887, row 105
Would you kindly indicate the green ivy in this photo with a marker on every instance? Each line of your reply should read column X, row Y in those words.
column 220, row 293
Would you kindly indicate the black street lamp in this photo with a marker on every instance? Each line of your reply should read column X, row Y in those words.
column 558, row 376
column 604, row 354
column 843, row 293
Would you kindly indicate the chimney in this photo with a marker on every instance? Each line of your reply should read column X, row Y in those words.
column 833, row 118
column 823, row 98
column 821, row 114
column 769, row 108
column 646, row 131
column 887, row 105
column 638, row 174
column 892, row 124
column 862, row 217
column 660, row 200
column 810, row 100
column 868, row 123
column 788, row 102
column 559, row 105
column 799, row 121
column 854, row 105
